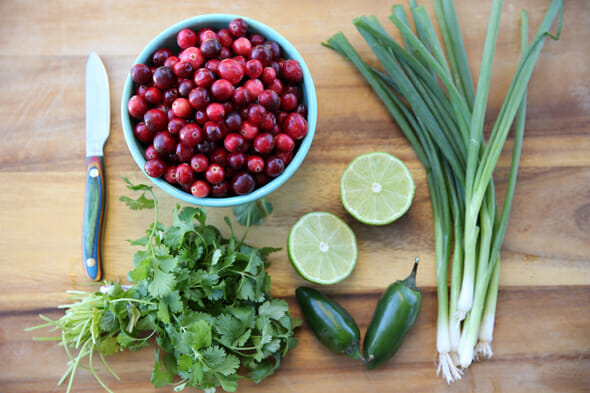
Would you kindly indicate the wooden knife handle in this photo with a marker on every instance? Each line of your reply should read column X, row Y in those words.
column 93, row 217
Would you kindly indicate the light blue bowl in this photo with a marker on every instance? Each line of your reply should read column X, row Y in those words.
column 167, row 39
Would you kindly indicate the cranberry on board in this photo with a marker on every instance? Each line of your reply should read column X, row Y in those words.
column 155, row 167
column 141, row 74
column 200, row 189
column 155, row 120
column 243, row 183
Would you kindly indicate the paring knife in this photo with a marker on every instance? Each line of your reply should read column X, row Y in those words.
column 97, row 131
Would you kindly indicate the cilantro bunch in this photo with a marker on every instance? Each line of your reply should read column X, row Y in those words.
column 201, row 298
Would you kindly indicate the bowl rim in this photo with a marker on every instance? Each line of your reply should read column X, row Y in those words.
column 309, row 95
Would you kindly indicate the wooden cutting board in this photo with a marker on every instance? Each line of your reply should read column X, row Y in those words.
column 542, row 339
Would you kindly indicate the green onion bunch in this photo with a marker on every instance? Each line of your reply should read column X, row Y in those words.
column 428, row 88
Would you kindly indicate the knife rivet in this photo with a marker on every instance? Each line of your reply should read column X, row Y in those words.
column 94, row 172
column 90, row 262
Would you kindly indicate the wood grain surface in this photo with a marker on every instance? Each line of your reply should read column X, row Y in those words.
column 542, row 339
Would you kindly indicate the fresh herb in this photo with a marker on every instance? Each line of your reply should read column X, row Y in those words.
column 201, row 298
column 427, row 87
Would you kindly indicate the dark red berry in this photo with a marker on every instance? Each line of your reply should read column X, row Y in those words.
column 184, row 174
column 171, row 60
column 234, row 142
column 242, row 47
column 275, row 49
column 219, row 157
column 164, row 77
column 184, row 152
column 254, row 87
column 170, row 175
column 212, row 131
column 257, row 39
column 186, row 38
column 256, row 114
column 185, row 87
column 210, row 48
column 160, row 56
column 175, row 125
column 207, row 33
column 277, row 86
column 255, row 164
column 192, row 55
column 169, row 96
column 137, row 106
column 254, row 68
column 199, row 162
column 212, row 65
column 295, row 126
column 201, row 117
column 230, row 70
column 183, row 69
column 264, row 143
column 238, row 27
column 241, row 97
column 164, row 143
column 199, row 98
column 215, row 112
column 200, row 189
column 153, row 95
column 291, row 71
column 236, row 160
column 220, row 189
column 222, row 90
column 150, row 153
column 141, row 74
column 262, row 53
column 155, row 167
column 274, row 166
column 225, row 38
column 204, row 77
column 288, row 102
column 248, row 130
column 142, row 133
column 190, row 134
column 182, row 108
column 233, row 122
column 268, row 123
column 155, row 120
column 268, row 76
column 284, row 142
column 243, row 183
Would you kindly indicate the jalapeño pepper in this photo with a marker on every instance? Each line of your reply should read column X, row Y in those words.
column 396, row 313
column 332, row 324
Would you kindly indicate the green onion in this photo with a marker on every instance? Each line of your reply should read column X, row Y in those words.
column 428, row 90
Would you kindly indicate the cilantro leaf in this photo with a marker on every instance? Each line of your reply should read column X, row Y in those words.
column 252, row 213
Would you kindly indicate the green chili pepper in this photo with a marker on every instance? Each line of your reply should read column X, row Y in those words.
column 394, row 316
column 331, row 323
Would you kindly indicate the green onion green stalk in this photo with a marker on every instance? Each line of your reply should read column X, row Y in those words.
column 428, row 89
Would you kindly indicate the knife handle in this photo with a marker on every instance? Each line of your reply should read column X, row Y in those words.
column 93, row 217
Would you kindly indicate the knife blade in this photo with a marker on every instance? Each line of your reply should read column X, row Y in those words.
column 98, row 122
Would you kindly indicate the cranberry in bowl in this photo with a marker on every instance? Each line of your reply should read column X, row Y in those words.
column 219, row 110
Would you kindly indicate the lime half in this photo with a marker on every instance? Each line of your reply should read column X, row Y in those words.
column 322, row 248
column 376, row 188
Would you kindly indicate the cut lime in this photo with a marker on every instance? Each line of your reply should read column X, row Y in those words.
column 376, row 188
column 322, row 248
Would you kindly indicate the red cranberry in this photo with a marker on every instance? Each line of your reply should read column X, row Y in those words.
column 292, row 72
column 171, row 60
column 256, row 114
column 175, row 125
column 222, row 89
column 295, row 126
column 220, row 189
column 201, row 117
column 150, row 153
column 233, row 122
column 155, row 167
column 141, row 89
column 164, row 77
column 274, row 166
column 281, row 116
column 169, row 96
column 269, row 122
column 164, row 143
column 160, row 56
column 234, row 142
column 185, row 87
column 204, row 77
column 301, row 109
column 225, row 38
column 248, row 130
column 170, row 175
column 224, row 53
column 262, row 53
column 242, row 47
column 190, row 134
column 219, row 157
column 184, row 152
column 184, row 174
column 155, row 120
column 286, row 156
column 210, row 47
column 276, row 85
column 270, row 100
column 284, row 142
column 199, row 98
column 212, row 65
column 214, row 173
column 141, row 74
column 231, row 70
column 268, row 76
column 261, row 179
column 288, row 102
column 264, row 143
column 275, row 49
column 241, row 96
column 182, row 108
column 199, row 162
column 295, row 89
column 238, row 27
column 215, row 112
column 137, row 106
column 255, row 164
column 183, row 69
column 206, row 147
column 200, row 189
column 257, row 39
column 193, row 56
column 212, row 131
column 254, row 87
column 253, row 69
column 236, row 160
column 241, row 61
column 243, row 183
column 143, row 133
column 153, row 95
column 186, row 38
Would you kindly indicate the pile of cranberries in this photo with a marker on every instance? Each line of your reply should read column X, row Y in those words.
column 222, row 116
